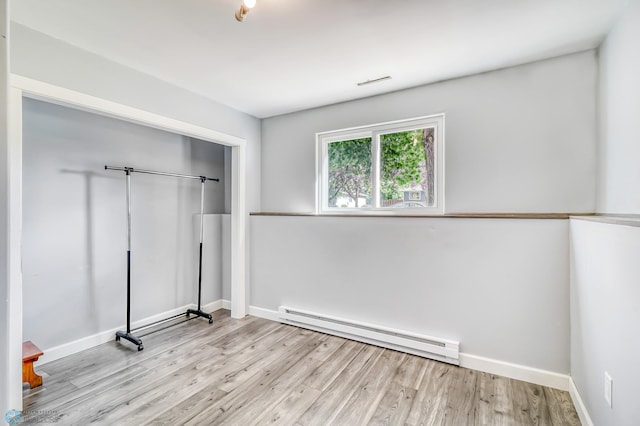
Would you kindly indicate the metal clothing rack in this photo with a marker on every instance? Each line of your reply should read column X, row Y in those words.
column 128, row 335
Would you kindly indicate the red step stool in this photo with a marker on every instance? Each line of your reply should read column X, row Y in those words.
column 30, row 354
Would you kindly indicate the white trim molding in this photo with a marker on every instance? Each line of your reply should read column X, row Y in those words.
column 578, row 403
column 515, row 371
column 264, row 313
column 70, row 98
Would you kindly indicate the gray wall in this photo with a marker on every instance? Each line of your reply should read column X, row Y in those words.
column 619, row 107
column 74, row 218
column 517, row 140
column 497, row 286
column 605, row 272
column 522, row 139
column 605, row 296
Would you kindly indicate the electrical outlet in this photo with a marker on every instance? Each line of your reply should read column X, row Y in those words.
column 608, row 388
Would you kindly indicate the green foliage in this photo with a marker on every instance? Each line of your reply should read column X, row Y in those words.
column 350, row 170
column 402, row 162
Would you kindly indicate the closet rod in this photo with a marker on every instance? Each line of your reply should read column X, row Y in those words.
column 153, row 172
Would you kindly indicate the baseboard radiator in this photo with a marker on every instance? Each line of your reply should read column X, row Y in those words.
column 425, row 346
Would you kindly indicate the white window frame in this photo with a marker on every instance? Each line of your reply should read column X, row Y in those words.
column 323, row 139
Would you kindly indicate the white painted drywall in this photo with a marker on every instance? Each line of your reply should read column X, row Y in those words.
column 605, row 296
column 216, row 265
column 498, row 286
column 4, row 210
column 619, row 148
column 605, row 270
column 74, row 213
column 522, row 139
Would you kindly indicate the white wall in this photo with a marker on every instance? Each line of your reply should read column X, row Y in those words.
column 4, row 210
column 605, row 295
column 619, row 150
column 497, row 286
column 74, row 218
column 522, row 139
column 216, row 265
column 605, row 272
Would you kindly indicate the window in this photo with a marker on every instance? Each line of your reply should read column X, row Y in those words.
column 395, row 168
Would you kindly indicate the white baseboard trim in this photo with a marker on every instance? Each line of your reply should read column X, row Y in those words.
column 474, row 362
column 264, row 313
column 213, row 306
column 515, row 371
column 585, row 418
column 66, row 349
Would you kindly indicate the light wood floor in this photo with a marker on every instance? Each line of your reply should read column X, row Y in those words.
column 254, row 371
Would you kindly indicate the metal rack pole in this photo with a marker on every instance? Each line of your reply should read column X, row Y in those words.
column 127, row 334
column 199, row 311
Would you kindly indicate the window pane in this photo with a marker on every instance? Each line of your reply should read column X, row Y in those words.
column 406, row 169
column 350, row 173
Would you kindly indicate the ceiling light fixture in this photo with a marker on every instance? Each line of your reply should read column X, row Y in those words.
column 245, row 7
column 375, row 80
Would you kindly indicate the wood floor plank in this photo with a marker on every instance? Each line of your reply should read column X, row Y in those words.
column 186, row 409
column 327, row 348
column 394, row 407
column 283, row 347
column 331, row 401
column 245, row 394
column 561, row 409
column 500, row 406
column 291, row 408
column 483, row 397
column 371, row 389
column 431, row 399
column 257, row 349
column 396, row 403
column 520, row 403
column 461, row 396
column 411, row 371
column 185, row 382
column 275, row 391
column 254, row 371
column 538, row 409
column 322, row 377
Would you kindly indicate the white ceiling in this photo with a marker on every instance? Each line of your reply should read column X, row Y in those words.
column 291, row 55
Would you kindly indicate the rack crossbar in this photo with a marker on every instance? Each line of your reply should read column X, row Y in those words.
column 151, row 324
column 154, row 172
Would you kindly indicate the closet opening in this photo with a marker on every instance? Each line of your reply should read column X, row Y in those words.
column 69, row 221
